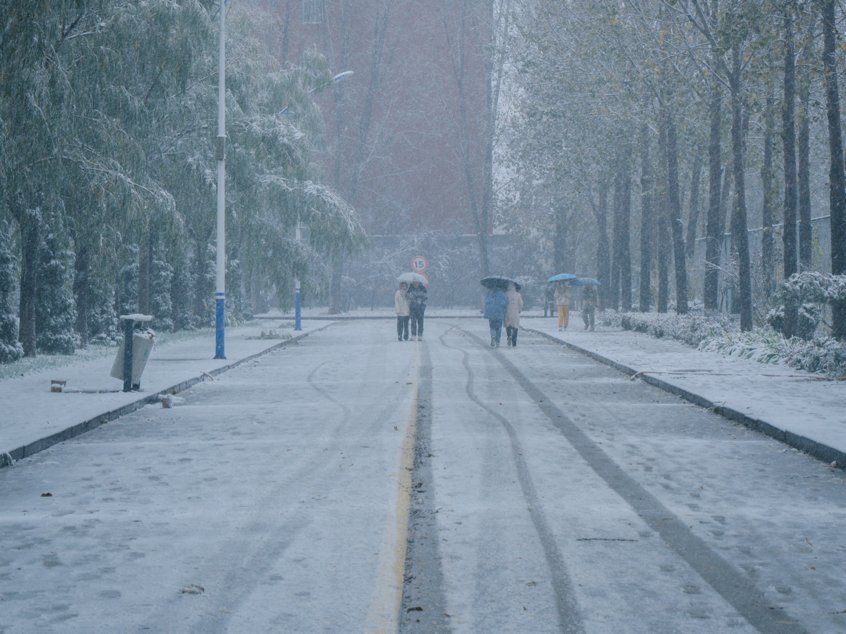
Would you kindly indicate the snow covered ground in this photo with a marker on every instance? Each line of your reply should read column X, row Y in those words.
column 272, row 498
column 32, row 413
column 808, row 409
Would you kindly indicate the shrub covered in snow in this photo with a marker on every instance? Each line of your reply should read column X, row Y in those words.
column 810, row 291
column 689, row 329
column 720, row 333
column 823, row 355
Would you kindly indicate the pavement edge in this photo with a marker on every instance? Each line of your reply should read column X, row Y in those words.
column 7, row 459
column 813, row 448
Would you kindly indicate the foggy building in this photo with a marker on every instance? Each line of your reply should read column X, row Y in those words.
column 408, row 141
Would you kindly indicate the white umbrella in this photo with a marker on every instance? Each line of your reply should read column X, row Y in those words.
column 412, row 277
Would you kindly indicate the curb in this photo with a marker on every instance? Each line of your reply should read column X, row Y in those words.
column 813, row 448
column 9, row 458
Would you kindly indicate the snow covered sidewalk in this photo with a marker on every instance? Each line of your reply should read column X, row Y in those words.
column 801, row 409
column 34, row 418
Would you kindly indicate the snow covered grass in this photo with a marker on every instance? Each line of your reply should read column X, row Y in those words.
column 30, row 365
column 721, row 333
column 822, row 355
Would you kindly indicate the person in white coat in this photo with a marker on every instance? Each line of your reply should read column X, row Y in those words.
column 562, row 300
column 402, row 310
column 512, row 314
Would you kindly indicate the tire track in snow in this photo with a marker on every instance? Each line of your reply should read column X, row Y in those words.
column 273, row 529
column 569, row 617
column 737, row 590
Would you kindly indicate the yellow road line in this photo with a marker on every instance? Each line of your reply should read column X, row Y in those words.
column 383, row 615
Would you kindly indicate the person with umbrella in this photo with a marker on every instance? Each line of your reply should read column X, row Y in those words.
column 562, row 301
column 402, row 310
column 417, row 297
column 496, row 304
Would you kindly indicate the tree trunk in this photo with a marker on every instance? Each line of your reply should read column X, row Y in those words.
column 739, row 217
column 788, row 112
column 335, row 303
column 693, row 206
column 30, row 221
column 82, row 292
column 714, row 226
column 614, row 296
column 646, row 222
column 603, row 250
column 561, row 257
column 803, row 83
column 769, row 199
column 145, row 270
column 625, row 240
column 837, row 178
column 662, row 232
column 675, row 213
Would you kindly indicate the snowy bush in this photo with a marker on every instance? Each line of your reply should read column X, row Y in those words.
column 721, row 334
column 689, row 329
column 809, row 290
column 808, row 318
column 822, row 355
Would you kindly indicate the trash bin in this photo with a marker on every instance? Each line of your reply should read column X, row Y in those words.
column 139, row 349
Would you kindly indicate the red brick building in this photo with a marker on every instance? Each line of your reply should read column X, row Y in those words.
column 408, row 133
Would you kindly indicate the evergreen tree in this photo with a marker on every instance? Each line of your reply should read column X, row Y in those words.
column 10, row 348
column 181, row 290
column 103, row 326
column 55, row 309
column 126, row 293
column 160, row 292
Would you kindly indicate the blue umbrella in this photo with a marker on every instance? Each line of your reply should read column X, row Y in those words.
column 562, row 277
column 585, row 281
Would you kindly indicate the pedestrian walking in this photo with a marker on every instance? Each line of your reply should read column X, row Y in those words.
column 403, row 314
column 512, row 314
column 496, row 304
column 417, row 297
column 549, row 301
column 589, row 301
column 562, row 301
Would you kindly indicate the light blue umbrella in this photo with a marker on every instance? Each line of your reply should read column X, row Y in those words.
column 585, row 281
column 562, row 277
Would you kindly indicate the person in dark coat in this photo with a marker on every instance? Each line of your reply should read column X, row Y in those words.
column 549, row 301
column 589, row 301
column 496, row 304
column 417, row 297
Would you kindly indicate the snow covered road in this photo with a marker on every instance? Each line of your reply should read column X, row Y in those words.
column 546, row 492
column 266, row 501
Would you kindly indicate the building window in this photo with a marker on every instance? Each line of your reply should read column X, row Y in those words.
column 312, row 11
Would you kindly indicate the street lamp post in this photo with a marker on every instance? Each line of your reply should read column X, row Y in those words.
column 220, row 155
column 298, row 306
